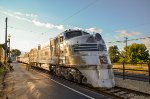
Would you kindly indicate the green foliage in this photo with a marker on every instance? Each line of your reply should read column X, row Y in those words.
column 134, row 53
column 15, row 52
column 114, row 53
column 3, row 67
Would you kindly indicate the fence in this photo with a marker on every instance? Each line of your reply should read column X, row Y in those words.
column 138, row 71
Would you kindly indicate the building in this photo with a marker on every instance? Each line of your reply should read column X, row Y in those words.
column 2, row 53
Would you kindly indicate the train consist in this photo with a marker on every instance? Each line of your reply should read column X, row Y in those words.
column 75, row 55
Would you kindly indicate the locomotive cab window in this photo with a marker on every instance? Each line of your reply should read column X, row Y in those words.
column 85, row 33
column 73, row 34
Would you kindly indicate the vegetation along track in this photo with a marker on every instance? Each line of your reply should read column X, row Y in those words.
column 115, row 93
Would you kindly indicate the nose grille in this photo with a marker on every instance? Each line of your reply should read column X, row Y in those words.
column 88, row 47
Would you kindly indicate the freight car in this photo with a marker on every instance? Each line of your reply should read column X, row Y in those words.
column 76, row 55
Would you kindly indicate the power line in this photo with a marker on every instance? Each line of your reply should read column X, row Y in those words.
column 121, row 41
column 131, row 27
column 85, row 7
column 128, row 40
column 142, row 24
column 20, row 29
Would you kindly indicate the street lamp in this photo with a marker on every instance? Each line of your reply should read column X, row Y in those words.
column 9, row 59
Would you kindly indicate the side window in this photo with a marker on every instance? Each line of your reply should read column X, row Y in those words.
column 61, row 38
column 46, row 53
column 56, row 40
column 52, row 42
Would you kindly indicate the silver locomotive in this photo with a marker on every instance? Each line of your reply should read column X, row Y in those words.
column 76, row 55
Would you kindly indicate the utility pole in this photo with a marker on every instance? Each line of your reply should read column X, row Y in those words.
column 125, row 59
column 126, row 47
column 6, row 41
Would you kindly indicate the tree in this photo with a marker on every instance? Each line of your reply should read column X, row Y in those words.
column 114, row 53
column 135, row 53
column 15, row 52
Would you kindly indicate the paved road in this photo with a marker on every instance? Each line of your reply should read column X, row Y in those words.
column 23, row 84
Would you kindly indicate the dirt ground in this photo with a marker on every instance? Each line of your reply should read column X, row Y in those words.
column 2, row 84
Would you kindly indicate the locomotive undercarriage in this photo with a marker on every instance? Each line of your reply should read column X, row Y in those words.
column 94, row 75
column 69, row 73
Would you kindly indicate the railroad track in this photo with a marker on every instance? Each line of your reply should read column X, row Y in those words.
column 115, row 93
column 123, row 93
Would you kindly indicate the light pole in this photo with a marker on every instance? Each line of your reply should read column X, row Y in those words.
column 9, row 59
column 6, row 41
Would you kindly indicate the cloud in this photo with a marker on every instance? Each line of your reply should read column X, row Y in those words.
column 16, row 16
column 22, row 18
column 33, row 19
column 136, row 33
column 124, row 32
column 48, row 25
column 147, row 43
column 18, row 13
column 26, row 14
column 60, row 27
column 78, row 28
column 38, row 23
column 9, row 14
column 96, row 30
column 127, row 33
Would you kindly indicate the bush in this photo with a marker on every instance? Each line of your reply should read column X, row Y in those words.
column 3, row 67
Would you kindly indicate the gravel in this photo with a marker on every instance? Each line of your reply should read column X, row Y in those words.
column 133, row 84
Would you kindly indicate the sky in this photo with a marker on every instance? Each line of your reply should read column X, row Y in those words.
column 33, row 22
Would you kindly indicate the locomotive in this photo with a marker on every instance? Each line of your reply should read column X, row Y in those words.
column 76, row 55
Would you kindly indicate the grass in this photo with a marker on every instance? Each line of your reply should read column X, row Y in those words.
column 3, row 69
column 132, row 66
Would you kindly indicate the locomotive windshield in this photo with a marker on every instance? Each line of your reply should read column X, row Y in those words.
column 73, row 34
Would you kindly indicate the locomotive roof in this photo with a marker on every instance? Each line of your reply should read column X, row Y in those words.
column 67, row 32
column 70, row 31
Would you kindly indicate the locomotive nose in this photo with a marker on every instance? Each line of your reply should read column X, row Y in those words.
column 90, row 39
